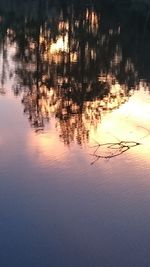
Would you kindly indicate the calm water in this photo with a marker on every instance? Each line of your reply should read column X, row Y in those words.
column 74, row 137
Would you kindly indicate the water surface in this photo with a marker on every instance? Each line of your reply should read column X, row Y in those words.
column 74, row 139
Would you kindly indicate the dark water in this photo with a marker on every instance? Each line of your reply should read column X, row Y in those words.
column 74, row 135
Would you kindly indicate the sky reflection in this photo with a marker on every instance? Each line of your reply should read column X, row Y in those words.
column 71, row 78
column 46, row 146
column 129, row 123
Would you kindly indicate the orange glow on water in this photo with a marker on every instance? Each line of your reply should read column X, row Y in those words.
column 46, row 146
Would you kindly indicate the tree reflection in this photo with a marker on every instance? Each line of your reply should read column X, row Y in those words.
column 71, row 63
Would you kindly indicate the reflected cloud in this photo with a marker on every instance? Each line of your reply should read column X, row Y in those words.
column 46, row 147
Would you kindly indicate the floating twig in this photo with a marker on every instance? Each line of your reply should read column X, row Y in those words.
column 119, row 147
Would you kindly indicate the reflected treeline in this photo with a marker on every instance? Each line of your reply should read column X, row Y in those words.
column 72, row 61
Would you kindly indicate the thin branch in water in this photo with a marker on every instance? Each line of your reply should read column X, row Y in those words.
column 119, row 148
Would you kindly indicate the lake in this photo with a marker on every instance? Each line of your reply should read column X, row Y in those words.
column 74, row 135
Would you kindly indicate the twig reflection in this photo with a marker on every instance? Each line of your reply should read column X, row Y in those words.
column 118, row 147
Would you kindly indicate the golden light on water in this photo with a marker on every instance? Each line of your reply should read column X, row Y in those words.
column 61, row 45
column 129, row 123
column 93, row 20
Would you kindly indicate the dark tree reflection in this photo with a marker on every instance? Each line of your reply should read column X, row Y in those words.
column 73, row 61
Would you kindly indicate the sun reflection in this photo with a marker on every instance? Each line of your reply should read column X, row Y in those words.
column 61, row 45
column 129, row 123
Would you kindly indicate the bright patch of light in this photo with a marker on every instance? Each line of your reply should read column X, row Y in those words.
column 128, row 123
column 61, row 45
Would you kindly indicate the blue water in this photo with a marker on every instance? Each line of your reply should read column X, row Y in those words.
column 56, row 209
